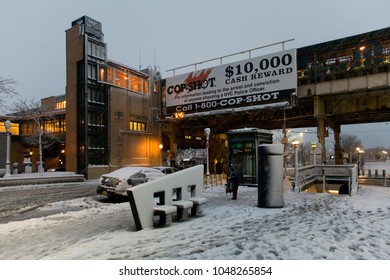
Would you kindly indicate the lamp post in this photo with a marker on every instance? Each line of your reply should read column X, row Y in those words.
column 314, row 147
column 359, row 159
column 295, row 143
column 7, row 125
column 161, row 147
column 207, row 135
column 384, row 153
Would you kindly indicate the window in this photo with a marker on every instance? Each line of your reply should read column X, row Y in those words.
column 61, row 105
column 54, row 125
column 121, row 79
column 14, row 128
column 95, row 119
column 137, row 126
column 96, row 50
column 155, row 87
column 136, row 84
column 102, row 74
column 92, row 71
column 95, row 96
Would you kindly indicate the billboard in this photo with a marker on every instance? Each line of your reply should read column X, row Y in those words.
column 252, row 84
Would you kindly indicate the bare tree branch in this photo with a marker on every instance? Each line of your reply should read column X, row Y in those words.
column 7, row 90
column 349, row 143
column 33, row 111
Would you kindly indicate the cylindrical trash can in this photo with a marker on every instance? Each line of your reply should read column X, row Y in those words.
column 27, row 166
column 15, row 168
column 270, row 186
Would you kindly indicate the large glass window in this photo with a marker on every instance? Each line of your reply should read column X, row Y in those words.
column 54, row 125
column 136, row 84
column 14, row 128
column 137, row 126
column 146, row 87
column 123, row 79
column 103, row 74
column 61, row 105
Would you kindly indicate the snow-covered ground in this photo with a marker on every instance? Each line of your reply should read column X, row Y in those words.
column 309, row 226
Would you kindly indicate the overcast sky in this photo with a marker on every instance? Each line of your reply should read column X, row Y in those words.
column 173, row 33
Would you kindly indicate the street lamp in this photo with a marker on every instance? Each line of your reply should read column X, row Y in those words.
column 7, row 125
column 295, row 143
column 314, row 147
column 207, row 135
column 359, row 159
column 161, row 147
column 384, row 153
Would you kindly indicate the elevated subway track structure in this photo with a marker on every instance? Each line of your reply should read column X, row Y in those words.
column 340, row 82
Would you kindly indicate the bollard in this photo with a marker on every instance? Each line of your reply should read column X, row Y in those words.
column 270, row 186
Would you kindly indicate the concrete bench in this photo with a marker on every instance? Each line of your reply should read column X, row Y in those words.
column 165, row 213
column 198, row 201
column 157, row 197
column 182, row 208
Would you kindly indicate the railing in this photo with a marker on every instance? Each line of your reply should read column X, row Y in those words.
column 376, row 178
column 326, row 174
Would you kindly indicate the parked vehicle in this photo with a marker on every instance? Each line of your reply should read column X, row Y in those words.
column 116, row 182
column 166, row 169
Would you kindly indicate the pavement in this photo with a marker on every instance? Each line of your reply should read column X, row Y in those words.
column 40, row 178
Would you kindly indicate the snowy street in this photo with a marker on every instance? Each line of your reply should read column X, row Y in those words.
column 19, row 203
column 309, row 226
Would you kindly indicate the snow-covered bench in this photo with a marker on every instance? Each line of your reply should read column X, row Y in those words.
column 165, row 213
column 182, row 208
column 197, row 202
column 182, row 190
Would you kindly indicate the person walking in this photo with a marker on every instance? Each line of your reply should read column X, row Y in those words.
column 234, row 178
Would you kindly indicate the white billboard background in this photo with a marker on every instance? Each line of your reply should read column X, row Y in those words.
column 255, row 83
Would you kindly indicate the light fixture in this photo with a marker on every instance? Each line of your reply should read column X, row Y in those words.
column 295, row 143
column 7, row 125
column 207, row 135
column 314, row 147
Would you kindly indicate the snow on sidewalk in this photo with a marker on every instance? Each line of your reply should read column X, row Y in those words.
column 309, row 226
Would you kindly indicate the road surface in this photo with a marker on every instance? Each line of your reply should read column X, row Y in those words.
column 18, row 203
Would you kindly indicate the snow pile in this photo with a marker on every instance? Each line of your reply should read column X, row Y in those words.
column 309, row 226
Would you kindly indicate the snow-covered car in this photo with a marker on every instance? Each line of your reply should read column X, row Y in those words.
column 166, row 169
column 116, row 182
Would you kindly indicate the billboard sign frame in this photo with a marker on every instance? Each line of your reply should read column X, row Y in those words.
column 257, row 83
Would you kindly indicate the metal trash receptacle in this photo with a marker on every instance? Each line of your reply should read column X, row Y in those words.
column 15, row 168
column 270, row 186
column 27, row 167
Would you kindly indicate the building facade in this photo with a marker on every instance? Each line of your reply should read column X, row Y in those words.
column 112, row 110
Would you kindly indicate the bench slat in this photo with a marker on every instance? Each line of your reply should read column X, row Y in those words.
column 165, row 209
column 183, row 204
column 198, row 200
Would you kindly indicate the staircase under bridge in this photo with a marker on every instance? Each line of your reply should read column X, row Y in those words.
column 335, row 179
